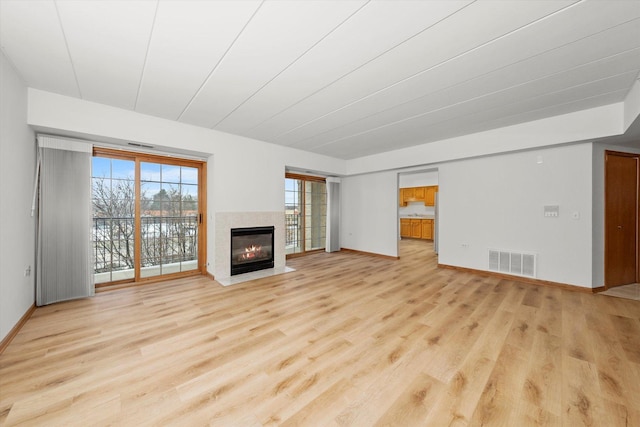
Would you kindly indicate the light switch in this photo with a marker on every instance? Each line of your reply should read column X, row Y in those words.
column 552, row 211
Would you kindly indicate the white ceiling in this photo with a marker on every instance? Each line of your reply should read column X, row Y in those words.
column 345, row 78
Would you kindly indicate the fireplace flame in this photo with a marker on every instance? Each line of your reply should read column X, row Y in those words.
column 251, row 251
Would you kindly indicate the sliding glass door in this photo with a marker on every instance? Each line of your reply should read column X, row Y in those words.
column 147, row 216
column 305, row 213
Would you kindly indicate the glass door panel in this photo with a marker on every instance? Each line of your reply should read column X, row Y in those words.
column 315, row 215
column 293, row 215
column 169, row 219
column 113, row 236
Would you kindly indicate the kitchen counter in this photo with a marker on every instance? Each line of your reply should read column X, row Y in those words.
column 417, row 217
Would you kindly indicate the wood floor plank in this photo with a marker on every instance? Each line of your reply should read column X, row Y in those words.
column 347, row 339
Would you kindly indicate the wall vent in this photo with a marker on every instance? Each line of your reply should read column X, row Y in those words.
column 136, row 144
column 509, row 262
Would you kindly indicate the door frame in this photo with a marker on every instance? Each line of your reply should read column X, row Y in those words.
column 607, row 219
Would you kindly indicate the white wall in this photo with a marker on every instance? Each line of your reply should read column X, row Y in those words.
column 243, row 175
column 498, row 202
column 369, row 213
column 418, row 179
column 17, row 227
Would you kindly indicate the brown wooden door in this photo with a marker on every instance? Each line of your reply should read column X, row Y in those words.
column 621, row 219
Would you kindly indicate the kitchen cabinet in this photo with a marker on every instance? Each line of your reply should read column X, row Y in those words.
column 427, row 229
column 407, row 195
column 430, row 195
column 405, row 227
column 418, row 194
column 416, row 228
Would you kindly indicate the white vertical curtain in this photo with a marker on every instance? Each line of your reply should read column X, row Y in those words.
column 64, row 268
column 333, row 215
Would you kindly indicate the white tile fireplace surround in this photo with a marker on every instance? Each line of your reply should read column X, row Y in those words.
column 225, row 221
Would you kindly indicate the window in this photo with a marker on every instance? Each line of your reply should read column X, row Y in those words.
column 305, row 213
column 147, row 216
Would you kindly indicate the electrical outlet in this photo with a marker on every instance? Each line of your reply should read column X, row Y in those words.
column 27, row 271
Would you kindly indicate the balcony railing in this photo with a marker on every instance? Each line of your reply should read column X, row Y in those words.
column 164, row 240
column 293, row 230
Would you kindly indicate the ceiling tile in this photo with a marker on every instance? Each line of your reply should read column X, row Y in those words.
column 341, row 78
column 470, row 75
column 24, row 25
column 108, row 43
column 189, row 39
column 486, row 20
column 418, row 130
column 499, row 87
column 375, row 29
column 279, row 33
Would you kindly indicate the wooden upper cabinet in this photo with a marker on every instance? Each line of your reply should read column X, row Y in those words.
column 408, row 194
column 430, row 196
column 418, row 194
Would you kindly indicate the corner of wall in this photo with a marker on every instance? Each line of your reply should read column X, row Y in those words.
column 17, row 226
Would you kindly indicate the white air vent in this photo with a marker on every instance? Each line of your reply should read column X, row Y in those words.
column 518, row 263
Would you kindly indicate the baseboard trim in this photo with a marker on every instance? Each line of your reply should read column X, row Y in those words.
column 14, row 331
column 369, row 253
column 210, row 276
column 539, row 282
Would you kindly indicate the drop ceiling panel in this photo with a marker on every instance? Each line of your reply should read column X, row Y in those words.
column 416, row 130
column 189, row 39
column 472, row 124
column 370, row 32
column 444, row 130
column 278, row 35
column 108, row 44
column 342, row 78
column 442, row 42
column 487, row 95
column 23, row 27
column 471, row 76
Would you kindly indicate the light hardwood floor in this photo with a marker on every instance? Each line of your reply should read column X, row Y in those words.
column 346, row 340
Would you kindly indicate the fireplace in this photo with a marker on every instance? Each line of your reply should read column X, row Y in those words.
column 251, row 249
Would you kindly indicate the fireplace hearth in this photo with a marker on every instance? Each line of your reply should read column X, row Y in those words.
column 251, row 249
